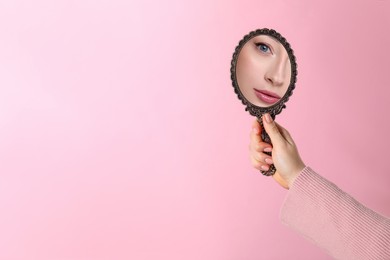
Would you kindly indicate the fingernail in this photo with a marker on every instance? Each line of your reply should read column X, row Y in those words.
column 265, row 167
column 268, row 149
column 269, row 161
column 268, row 118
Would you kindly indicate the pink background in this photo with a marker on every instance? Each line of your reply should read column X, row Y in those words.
column 121, row 137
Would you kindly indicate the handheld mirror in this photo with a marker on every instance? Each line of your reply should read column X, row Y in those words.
column 263, row 72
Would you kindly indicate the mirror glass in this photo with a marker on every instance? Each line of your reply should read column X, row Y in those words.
column 263, row 71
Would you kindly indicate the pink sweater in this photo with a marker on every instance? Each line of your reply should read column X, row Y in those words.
column 335, row 221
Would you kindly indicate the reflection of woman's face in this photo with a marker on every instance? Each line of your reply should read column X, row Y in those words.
column 263, row 71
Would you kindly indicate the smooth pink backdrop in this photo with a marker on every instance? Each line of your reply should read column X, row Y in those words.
column 121, row 137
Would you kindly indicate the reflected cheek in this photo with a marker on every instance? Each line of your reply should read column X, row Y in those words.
column 251, row 72
column 255, row 70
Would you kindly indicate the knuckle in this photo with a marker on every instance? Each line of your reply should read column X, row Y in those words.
column 258, row 157
column 274, row 128
column 258, row 166
column 255, row 163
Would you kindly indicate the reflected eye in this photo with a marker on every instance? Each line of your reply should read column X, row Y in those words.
column 263, row 47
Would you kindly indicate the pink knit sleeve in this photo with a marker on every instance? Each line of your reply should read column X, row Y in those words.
column 335, row 221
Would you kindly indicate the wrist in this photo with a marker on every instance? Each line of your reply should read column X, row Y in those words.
column 295, row 175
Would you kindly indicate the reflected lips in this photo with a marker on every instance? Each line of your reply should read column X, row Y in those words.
column 267, row 96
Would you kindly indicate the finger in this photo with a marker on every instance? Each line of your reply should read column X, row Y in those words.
column 285, row 134
column 272, row 129
column 256, row 146
column 256, row 124
column 260, row 127
column 259, row 165
column 256, row 143
column 256, row 132
column 255, row 137
column 261, row 157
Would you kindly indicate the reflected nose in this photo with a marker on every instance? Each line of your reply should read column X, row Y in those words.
column 276, row 75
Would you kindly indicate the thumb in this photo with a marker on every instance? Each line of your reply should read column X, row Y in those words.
column 272, row 129
column 286, row 135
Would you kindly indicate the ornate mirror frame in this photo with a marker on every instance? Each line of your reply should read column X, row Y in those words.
column 275, row 108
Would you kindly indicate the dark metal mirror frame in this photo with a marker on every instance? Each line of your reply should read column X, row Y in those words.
column 276, row 108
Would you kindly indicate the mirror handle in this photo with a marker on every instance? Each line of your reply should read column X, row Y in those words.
column 265, row 137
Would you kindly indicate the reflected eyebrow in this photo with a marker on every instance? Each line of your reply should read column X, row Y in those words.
column 272, row 42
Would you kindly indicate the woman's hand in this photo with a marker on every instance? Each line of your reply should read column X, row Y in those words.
column 285, row 154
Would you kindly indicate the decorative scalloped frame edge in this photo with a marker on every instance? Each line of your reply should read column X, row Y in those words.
column 276, row 108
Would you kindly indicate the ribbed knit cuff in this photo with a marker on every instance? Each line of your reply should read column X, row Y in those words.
column 333, row 220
